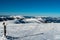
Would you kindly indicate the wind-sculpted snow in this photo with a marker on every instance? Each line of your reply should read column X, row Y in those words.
column 31, row 31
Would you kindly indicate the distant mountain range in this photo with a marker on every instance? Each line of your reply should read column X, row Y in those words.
column 30, row 19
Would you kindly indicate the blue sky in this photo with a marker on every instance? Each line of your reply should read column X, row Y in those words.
column 30, row 7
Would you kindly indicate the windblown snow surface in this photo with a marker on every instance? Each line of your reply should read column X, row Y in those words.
column 31, row 31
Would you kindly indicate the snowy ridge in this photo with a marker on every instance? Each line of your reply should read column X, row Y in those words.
column 29, row 19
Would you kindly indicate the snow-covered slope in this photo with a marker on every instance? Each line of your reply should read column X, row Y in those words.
column 31, row 31
column 34, row 28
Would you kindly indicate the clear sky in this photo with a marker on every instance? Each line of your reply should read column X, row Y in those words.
column 30, row 7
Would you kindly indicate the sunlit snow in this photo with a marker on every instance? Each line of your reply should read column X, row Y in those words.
column 31, row 31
